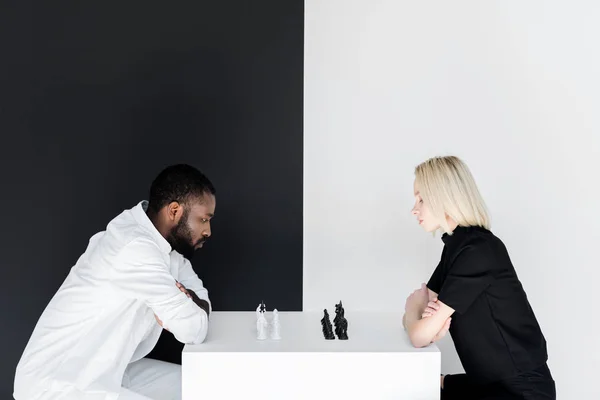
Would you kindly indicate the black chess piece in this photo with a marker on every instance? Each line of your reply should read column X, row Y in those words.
column 336, row 320
column 338, row 310
column 343, row 329
column 327, row 328
column 337, row 313
column 341, row 324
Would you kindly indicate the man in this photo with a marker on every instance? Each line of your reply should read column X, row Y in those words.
column 133, row 280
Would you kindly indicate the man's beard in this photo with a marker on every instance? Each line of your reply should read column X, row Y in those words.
column 180, row 238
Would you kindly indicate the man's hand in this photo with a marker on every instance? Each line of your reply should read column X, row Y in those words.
column 159, row 322
column 183, row 289
column 203, row 304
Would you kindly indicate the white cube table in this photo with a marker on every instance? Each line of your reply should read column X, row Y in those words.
column 377, row 362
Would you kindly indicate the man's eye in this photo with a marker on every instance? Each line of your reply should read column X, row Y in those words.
column 204, row 220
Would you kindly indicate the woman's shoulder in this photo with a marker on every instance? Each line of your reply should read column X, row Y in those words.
column 476, row 240
column 472, row 235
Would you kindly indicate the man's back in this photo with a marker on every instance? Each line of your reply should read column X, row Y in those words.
column 96, row 324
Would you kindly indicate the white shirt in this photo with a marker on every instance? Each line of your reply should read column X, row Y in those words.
column 102, row 317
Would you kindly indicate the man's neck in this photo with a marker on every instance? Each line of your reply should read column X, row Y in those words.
column 156, row 221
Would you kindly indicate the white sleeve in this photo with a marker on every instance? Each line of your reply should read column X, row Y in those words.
column 141, row 272
column 189, row 279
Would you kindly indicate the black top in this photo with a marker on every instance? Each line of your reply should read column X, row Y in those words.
column 493, row 328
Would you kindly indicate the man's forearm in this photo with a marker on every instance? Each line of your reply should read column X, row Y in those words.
column 203, row 304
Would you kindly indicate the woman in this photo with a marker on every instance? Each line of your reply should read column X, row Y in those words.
column 475, row 293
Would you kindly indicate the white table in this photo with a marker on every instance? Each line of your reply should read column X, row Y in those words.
column 377, row 362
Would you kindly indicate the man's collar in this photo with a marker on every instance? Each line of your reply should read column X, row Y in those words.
column 139, row 213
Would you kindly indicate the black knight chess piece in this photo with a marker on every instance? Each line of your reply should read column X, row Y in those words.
column 341, row 324
column 327, row 328
column 336, row 320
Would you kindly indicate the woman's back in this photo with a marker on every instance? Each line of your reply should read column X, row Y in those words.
column 494, row 327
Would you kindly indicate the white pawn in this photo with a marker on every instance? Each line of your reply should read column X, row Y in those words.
column 275, row 326
column 261, row 324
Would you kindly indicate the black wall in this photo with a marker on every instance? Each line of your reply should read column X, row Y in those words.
column 96, row 98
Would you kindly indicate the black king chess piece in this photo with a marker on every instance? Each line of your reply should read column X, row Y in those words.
column 327, row 328
column 341, row 324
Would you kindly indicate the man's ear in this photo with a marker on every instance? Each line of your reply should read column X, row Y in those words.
column 174, row 211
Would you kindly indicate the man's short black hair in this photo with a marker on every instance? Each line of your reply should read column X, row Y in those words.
column 180, row 183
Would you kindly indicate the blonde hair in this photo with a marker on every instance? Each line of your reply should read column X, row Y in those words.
column 449, row 189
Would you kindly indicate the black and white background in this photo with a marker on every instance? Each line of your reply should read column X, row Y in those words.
column 309, row 117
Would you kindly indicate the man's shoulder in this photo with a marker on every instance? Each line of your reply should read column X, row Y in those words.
column 130, row 244
column 127, row 230
column 125, row 220
column 139, row 241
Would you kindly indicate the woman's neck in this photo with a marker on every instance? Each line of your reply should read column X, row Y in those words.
column 451, row 224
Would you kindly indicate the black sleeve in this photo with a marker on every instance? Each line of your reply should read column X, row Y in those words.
column 435, row 282
column 469, row 275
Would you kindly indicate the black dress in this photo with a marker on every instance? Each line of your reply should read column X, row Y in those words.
column 494, row 329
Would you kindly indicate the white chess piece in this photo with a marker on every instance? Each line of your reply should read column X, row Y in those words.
column 261, row 324
column 275, row 326
column 262, row 328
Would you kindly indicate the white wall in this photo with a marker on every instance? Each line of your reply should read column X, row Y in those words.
column 511, row 87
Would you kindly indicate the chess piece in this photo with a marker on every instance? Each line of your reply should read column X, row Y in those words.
column 341, row 324
column 275, row 326
column 336, row 320
column 337, row 313
column 343, row 329
column 327, row 328
column 258, row 311
column 261, row 324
